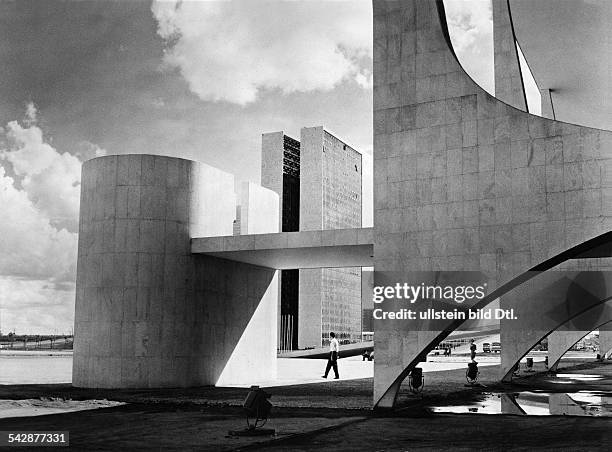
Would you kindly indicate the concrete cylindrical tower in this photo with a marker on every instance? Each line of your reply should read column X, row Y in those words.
column 137, row 323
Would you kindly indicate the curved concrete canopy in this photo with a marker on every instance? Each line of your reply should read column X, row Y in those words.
column 567, row 44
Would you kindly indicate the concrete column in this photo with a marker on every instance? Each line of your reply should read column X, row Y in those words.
column 508, row 80
column 547, row 106
column 563, row 405
column 605, row 340
column 148, row 313
column 559, row 342
column 563, row 300
column 509, row 405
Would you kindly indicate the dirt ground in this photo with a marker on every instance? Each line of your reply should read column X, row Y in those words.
column 330, row 416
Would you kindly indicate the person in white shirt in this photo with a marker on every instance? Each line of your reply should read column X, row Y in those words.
column 334, row 348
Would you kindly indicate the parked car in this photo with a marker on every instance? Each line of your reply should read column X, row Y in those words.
column 496, row 347
column 486, row 347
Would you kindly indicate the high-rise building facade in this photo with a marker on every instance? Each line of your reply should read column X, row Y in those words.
column 280, row 172
column 327, row 195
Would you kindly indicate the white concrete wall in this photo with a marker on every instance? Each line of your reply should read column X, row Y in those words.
column 259, row 209
column 213, row 202
column 272, row 152
column 149, row 313
column 254, row 354
column 236, row 309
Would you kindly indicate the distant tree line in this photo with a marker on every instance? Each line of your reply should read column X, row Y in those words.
column 36, row 341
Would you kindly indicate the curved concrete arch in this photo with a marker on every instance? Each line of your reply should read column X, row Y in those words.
column 465, row 182
column 554, row 302
column 579, row 250
column 605, row 341
column 563, row 341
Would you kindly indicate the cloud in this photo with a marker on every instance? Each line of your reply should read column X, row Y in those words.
column 34, row 307
column 470, row 25
column 31, row 114
column 32, row 248
column 88, row 150
column 230, row 51
column 50, row 179
column 471, row 20
column 39, row 201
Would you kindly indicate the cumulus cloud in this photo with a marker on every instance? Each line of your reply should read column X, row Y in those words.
column 470, row 25
column 88, row 150
column 229, row 51
column 39, row 201
column 31, row 247
column 50, row 179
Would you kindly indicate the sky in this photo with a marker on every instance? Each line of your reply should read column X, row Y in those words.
column 199, row 80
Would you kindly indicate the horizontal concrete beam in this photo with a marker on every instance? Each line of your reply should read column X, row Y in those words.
column 291, row 250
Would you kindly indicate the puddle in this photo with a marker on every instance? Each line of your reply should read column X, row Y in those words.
column 581, row 377
column 581, row 403
column 562, row 378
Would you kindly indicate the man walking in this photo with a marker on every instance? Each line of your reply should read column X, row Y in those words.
column 332, row 361
column 472, row 350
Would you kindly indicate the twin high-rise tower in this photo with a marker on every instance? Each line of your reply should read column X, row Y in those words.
column 319, row 182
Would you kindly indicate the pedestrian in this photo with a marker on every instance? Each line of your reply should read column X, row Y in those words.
column 472, row 350
column 332, row 361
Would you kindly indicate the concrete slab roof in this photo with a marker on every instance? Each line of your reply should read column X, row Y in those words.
column 290, row 250
column 568, row 46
